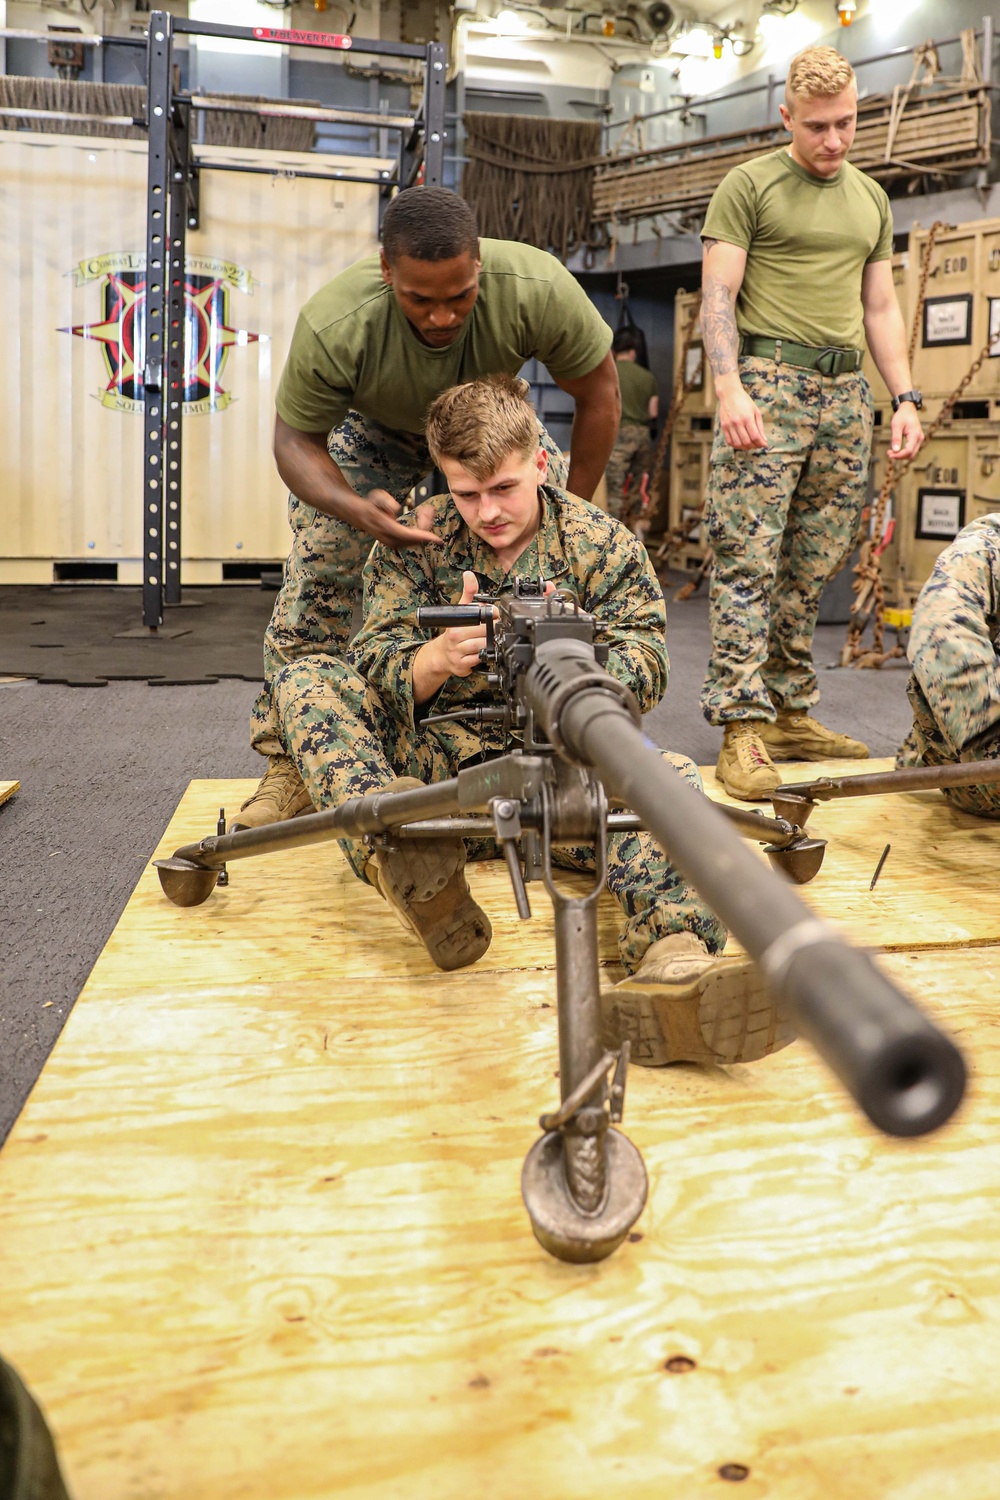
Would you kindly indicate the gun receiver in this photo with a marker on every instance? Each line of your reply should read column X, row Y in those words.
column 584, row 1183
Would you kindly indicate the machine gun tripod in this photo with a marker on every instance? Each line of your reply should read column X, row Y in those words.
column 584, row 1184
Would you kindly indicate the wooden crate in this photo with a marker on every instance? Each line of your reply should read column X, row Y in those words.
column 955, row 479
column 700, row 399
column 961, row 308
column 689, row 475
column 944, row 127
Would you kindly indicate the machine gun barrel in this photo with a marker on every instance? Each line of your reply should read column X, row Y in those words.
column 906, row 1075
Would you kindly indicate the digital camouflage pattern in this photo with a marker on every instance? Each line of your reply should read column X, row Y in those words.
column 955, row 687
column 631, row 456
column 781, row 522
column 577, row 547
column 350, row 735
column 322, row 577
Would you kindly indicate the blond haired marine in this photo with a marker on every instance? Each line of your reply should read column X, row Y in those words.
column 797, row 277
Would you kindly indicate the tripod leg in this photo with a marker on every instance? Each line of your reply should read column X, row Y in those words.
column 584, row 1183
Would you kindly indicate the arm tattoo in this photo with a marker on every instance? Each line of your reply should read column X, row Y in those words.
column 718, row 326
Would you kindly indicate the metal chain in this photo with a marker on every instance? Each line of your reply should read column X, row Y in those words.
column 868, row 571
column 681, row 389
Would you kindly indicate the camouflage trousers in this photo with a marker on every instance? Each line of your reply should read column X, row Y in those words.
column 631, row 456
column 347, row 741
column 782, row 522
column 925, row 745
column 322, row 579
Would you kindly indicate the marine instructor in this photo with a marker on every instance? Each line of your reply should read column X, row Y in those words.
column 797, row 276
column 370, row 352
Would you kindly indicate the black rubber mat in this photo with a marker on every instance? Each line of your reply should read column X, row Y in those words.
column 87, row 636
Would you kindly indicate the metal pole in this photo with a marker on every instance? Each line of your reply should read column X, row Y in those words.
column 158, row 91
column 304, row 112
column 180, row 136
column 578, row 995
column 66, row 114
column 988, row 49
column 290, row 173
column 434, row 99
column 906, row 779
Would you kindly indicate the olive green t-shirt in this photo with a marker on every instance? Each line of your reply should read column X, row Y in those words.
column 808, row 240
column 354, row 349
column 638, row 386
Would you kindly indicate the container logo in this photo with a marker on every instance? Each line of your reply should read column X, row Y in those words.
column 121, row 328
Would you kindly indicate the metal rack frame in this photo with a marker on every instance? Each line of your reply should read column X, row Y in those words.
column 172, row 207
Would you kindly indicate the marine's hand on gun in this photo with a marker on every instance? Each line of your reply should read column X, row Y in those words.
column 456, row 651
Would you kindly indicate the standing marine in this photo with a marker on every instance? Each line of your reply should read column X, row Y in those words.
column 370, row 352
column 797, row 276
column 632, row 454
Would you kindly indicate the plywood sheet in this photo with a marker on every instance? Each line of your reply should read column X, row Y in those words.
column 267, row 1239
column 8, row 788
column 940, row 884
column 261, row 1235
column 922, row 898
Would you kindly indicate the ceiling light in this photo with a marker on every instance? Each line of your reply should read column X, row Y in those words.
column 847, row 10
column 784, row 34
column 697, row 41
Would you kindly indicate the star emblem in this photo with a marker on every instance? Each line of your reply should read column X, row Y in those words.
column 208, row 337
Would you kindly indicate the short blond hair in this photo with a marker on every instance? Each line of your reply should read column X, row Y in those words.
column 481, row 423
column 818, row 73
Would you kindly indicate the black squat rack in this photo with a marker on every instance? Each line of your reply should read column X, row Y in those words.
column 172, row 207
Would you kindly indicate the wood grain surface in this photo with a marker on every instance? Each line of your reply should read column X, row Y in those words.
column 261, row 1232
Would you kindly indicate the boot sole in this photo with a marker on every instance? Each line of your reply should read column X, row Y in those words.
column 723, row 1015
column 798, row 752
column 300, row 812
column 426, row 886
column 743, row 793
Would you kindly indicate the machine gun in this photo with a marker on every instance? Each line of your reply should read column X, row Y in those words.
column 581, row 747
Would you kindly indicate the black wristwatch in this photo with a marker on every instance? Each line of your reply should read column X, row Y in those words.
column 913, row 396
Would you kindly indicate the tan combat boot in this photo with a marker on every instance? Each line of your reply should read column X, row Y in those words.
column 280, row 794
column 423, row 880
column 744, row 767
column 684, row 1005
column 796, row 736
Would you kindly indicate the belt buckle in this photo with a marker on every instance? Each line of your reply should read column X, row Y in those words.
column 826, row 364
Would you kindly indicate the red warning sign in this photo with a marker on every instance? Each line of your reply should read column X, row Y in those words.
column 302, row 38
